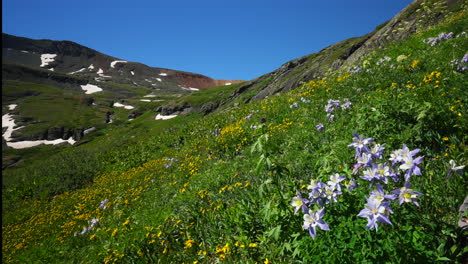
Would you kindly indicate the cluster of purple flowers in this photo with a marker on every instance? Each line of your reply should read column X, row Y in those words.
column 442, row 36
column 93, row 222
column 462, row 64
column 355, row 69
column 170, row 161
column 320, row 194
column 334, row 104
column 294, row 105
column 103, row 205
column 383, row 60
column 402, row 163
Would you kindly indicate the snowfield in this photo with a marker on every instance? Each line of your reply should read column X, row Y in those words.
column 163, row 74
column 117, row 61
column 28, row 144
column 47, row 58
column 132, row 72
column 80, row 70
column 162, row 117
column 12, row 106
column 90, row 88
column 9, row 122
column 122, row 105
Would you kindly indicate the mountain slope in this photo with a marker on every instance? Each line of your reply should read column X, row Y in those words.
column 418, row 16
column 72, row 58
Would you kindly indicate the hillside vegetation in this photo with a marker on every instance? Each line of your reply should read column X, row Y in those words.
column 225, row 187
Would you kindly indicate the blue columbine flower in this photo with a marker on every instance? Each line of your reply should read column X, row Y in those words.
column 376, row 211
column 360, row 143
column 305, row 101
column 410, row 165
column 378, row 195
column 330, row 193
column 454, row 168
column 319, row 127
column 335, row 180
column 407, row 195
column 294, row 105
column 363, row 160
column 300, row 203
column 351, row 185
column 313, row 220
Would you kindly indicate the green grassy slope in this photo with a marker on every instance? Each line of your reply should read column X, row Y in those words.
column 219, row 188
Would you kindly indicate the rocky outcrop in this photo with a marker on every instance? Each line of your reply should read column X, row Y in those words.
column 338, row 57
column 51, row 133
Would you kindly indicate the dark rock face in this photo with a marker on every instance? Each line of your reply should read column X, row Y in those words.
column 171, row 109
column 134, row 114
column 51, row 133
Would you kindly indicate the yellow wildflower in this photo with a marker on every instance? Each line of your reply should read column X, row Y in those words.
column 189, row 243
column 253, row 245
column 445, row 138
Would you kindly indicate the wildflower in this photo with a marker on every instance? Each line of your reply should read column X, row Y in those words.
column 335, row 180
column 401, row 58
column 330, row 193
column 360, row 143
column 377, row 150
column 383, row 60
column 378, row 195
column 248, row 117
column 347, row 104
column 253, row 245
column 103, row 204
column 299, row 203
column 311, row 221
column 410, row 166
column 294, row 105
column 330, row 117
column 189, row 243
column 351, row 185
column 442, row 36
column 354, row 69
column 305, row 101
column 445, row 138
column 454, row 168
column 376, row 211
column 266, row 261
column 319, row 127
column 363, row 160
column 407, row 195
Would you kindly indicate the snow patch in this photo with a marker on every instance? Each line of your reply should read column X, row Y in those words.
column 159, row 79
column 46, row 59
column 9, row 122
column 228, row 83
column 51, row 69
column 145, row 100
column 12, row 106
column 122, row 105
column 24, row 51
column 132, row 72
column 117, row 61
column 100, row 72
column 162, row 117
column 80, row 70
column 90, row 88
column 150, row 95
column 190, row 89
column 28, row 144
column 163, row 74
column 91, row 67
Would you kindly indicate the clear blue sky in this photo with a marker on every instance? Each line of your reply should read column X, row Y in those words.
column 237, row 39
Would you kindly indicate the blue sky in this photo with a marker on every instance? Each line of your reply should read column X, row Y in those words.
column 240, row 39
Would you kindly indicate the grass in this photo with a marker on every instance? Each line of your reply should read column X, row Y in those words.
column 218, row 188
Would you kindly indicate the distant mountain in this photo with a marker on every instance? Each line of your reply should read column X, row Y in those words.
column 74, row 59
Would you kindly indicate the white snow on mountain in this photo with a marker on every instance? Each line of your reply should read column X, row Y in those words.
column 46, row 59
column 90, row 88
